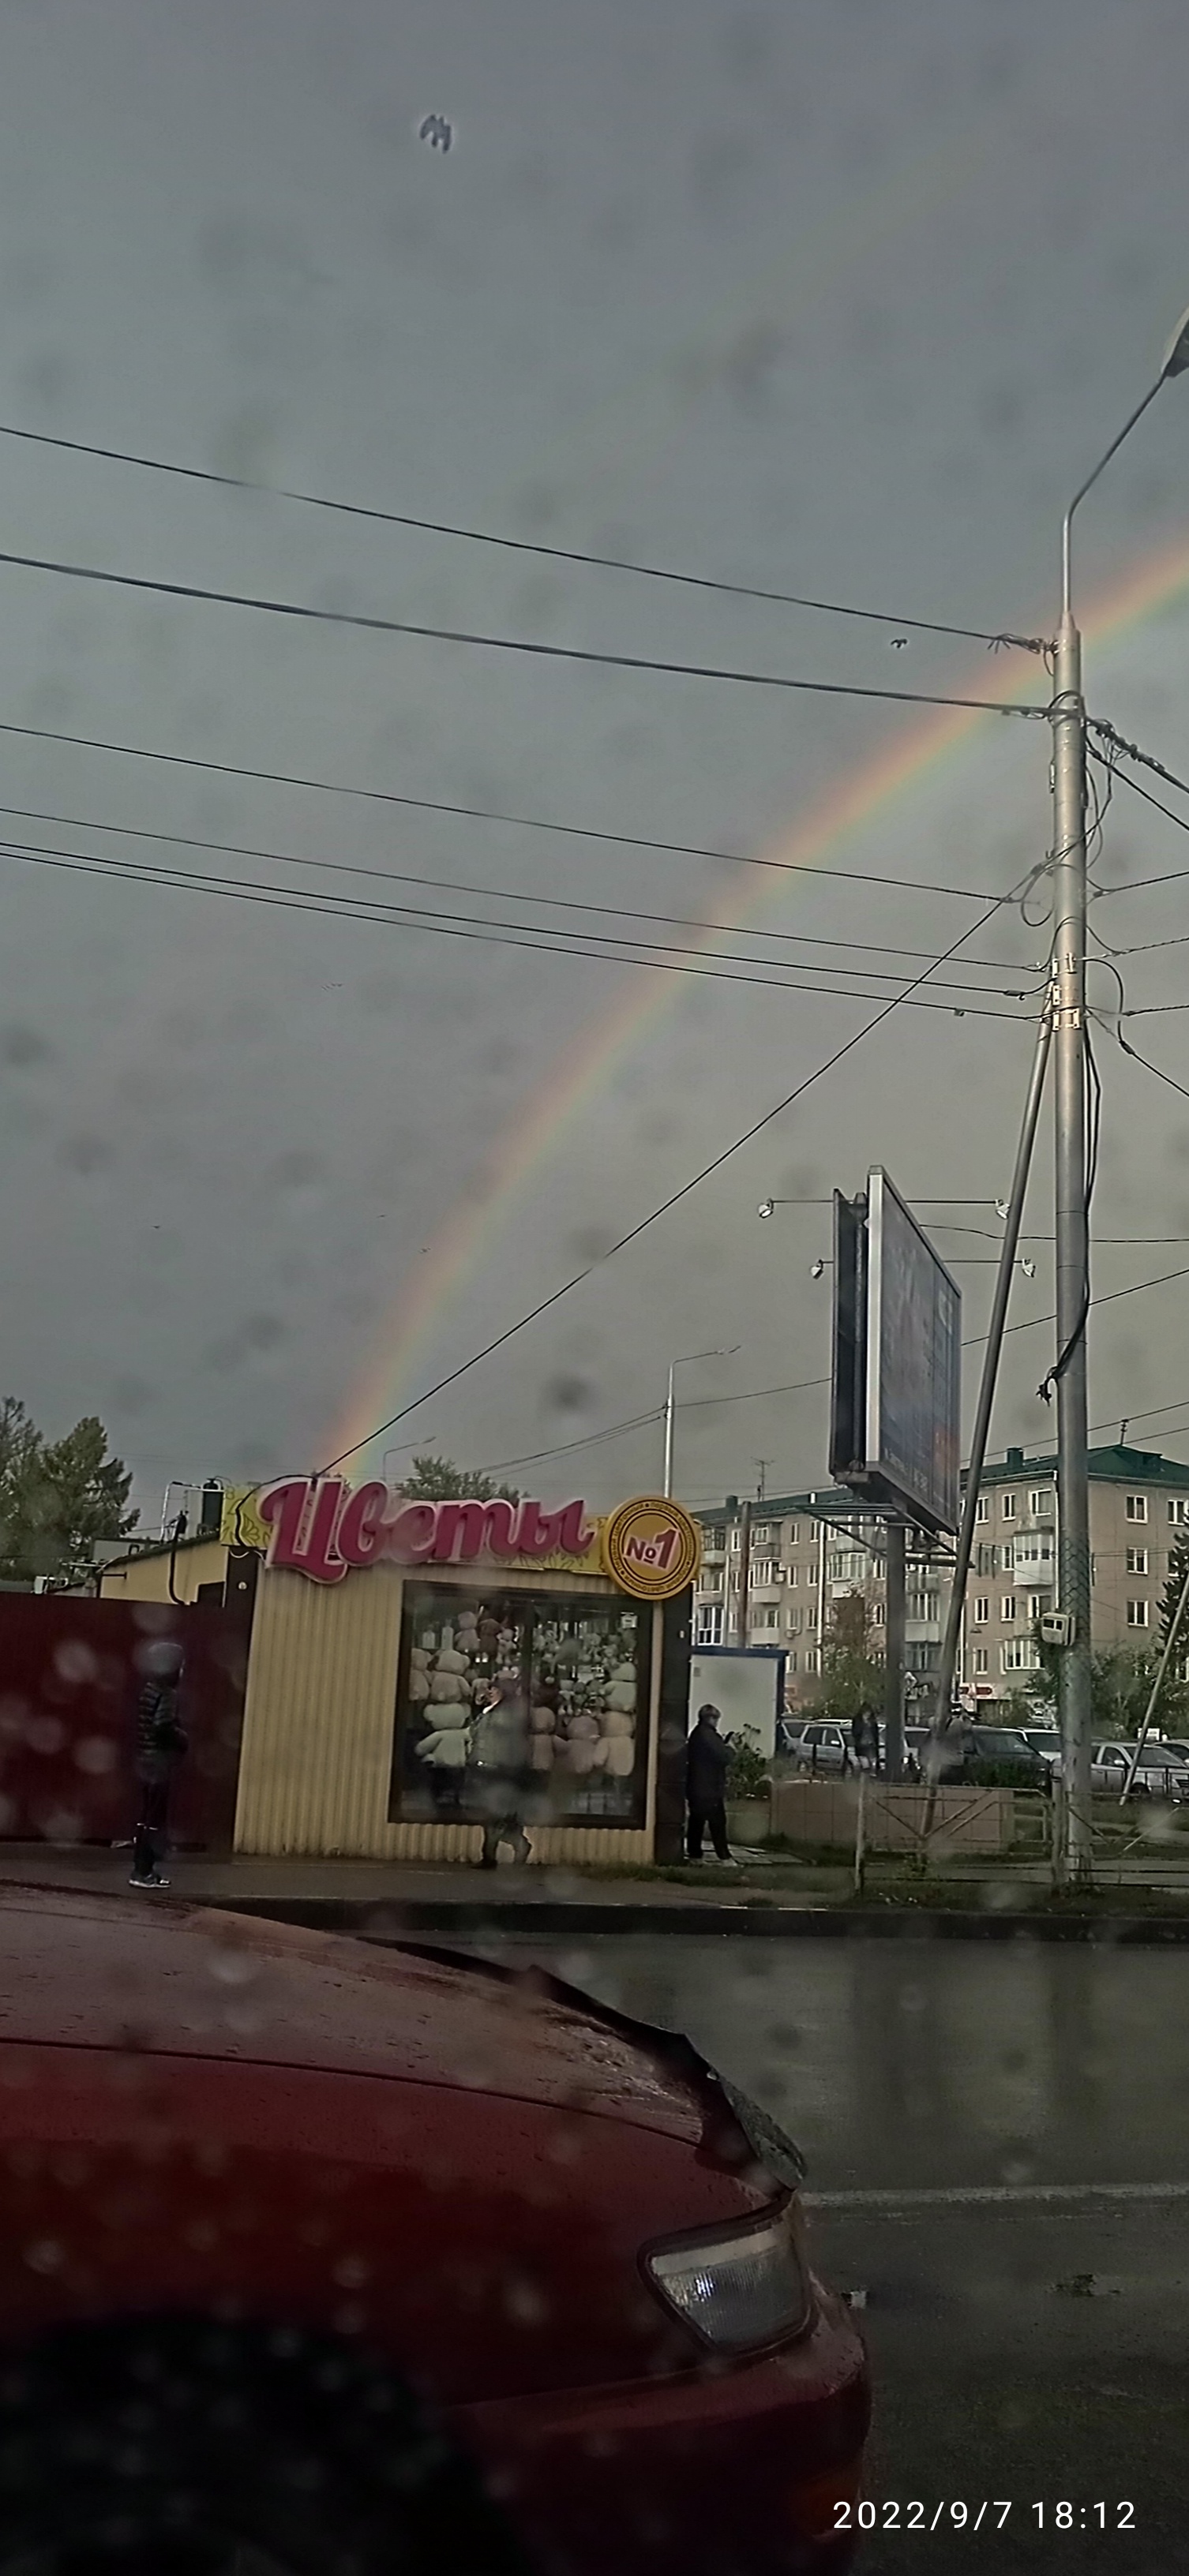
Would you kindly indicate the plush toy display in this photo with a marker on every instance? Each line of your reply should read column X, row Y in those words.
column 580, row 1671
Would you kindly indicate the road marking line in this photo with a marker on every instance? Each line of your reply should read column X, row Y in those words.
column 996, row 2195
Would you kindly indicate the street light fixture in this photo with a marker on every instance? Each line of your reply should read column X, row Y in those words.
column 683, row 1361
column 1068, row 718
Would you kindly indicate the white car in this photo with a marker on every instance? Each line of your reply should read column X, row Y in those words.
column 1159, row 1772
column 824, row 1747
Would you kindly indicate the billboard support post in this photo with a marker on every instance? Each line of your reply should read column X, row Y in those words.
column 894, row 1665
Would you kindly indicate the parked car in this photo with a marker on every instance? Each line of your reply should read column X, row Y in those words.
column 1159, row 1773
column 317, row 2254
column 823, row 1747
column 984, row 1755
column 1045, row 1740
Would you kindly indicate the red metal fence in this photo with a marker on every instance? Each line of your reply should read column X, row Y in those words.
column 70, row 1675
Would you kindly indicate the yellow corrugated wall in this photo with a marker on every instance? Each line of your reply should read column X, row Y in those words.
column 317, row 1739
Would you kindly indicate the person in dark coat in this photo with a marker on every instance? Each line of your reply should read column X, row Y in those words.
column 501, row 1772
column 864, row 1739
column 160, row 1743
column 706, row 1759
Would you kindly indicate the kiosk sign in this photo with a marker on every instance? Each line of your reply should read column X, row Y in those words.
column 652, row 1548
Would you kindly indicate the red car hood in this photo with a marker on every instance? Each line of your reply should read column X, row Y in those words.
column 110, row 1972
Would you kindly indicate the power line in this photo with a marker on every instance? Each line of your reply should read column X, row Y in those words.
column 477, row 814
column 564, row 1448
column 524, row 935
column 495, row 894
column 807, row 1385
column 513, row 545
column 1149, row 1067
column 538, row 650
column 545, row 1304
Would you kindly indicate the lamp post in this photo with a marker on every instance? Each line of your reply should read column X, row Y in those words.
column 718, row 1353
column 1071, row 1215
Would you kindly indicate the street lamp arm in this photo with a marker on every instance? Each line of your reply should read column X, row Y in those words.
column 1091, row 480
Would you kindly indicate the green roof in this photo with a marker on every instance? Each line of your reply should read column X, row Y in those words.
column 1116, row 1465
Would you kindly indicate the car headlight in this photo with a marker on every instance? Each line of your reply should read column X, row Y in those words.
column 739, row 2287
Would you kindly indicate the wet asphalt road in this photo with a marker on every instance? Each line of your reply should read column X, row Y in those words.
column 998, row 2142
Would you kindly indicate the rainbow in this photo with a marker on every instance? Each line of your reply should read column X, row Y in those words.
column 386, row 1385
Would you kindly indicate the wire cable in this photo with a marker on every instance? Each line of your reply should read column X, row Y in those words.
column 526, row 935
column 674, row 1199
column 483, row 813
column 513, row 545
column 807, row 1385
column 1052, row 1377
column 494, row 894
column 534, row 647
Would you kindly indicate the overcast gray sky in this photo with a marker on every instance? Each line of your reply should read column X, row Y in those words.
column 836, row 298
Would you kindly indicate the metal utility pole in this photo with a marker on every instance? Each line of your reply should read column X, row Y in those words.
column 683, row 1361
column 1072, row 1226
column 762, row 1465
column 986, row 1395
column 894, row 1614
column 1068, row 717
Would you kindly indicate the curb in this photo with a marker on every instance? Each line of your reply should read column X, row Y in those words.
column 579, row 1919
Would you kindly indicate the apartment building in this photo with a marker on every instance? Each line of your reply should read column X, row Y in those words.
column 809, row 1550
column 1139, row 1511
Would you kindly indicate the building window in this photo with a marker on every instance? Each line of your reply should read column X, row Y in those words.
column 982, row 1610
column 761, row 1572
column 790, row 1533
column 735, row 1540
column 1137, row 1614
column 708, row 1629
column 984, row 1559
column 982, row 1509
column 921, row 1605
column 792, row 1576
column 1137, row 1560
column 791, row 1660
column 1040, row 1503
column 793, row 1622
column 813, row 1659
column 1136, row 1507
column 879, row 1611
column 712, row 1578
column 765, row 1616
column 981, row 1659
column 1007, row 1608
column 1007, row 1506
column 811, row 1571
column 717, row 1537
column 1038, row 1603
column 1019, row 1655
column 761, row 1535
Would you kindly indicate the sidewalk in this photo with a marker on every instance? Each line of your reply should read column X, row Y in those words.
column 791, row 1899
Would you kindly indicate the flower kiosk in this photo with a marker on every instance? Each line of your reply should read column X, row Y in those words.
column 378, row 1626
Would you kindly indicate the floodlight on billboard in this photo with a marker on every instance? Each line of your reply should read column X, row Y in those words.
column 895, row 1415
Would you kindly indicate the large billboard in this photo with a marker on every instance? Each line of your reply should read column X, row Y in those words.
column 895, row 1421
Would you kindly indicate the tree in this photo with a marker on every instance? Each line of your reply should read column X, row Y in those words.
column 852, row 1670
column 438, row 1480
column 57, row 1497
column 1121, row 1679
